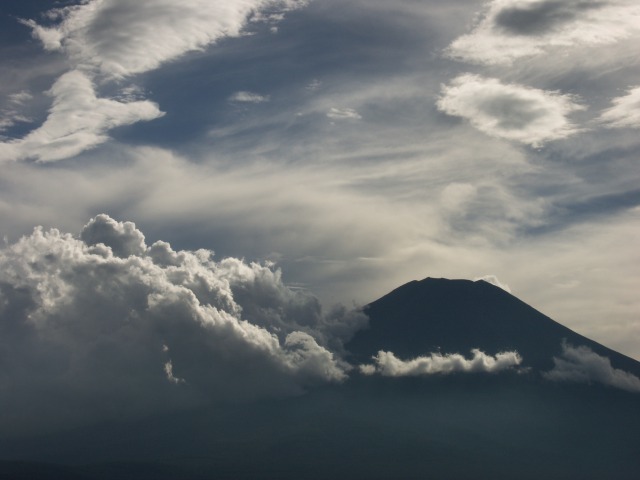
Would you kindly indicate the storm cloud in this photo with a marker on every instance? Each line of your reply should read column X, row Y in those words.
column 105, row 325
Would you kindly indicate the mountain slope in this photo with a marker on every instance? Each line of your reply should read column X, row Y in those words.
column 457, row 315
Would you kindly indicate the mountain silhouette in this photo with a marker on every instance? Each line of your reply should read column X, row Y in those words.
column 511, row 424
column 459, row 315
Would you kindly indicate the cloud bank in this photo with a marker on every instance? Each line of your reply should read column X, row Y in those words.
column 513, row 29
column 583, row 365
column 513, row 112
column 104, row 326
column 388, row 365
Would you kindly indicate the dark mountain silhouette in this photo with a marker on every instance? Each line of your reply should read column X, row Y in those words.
column 459, row 426
column 458, row 315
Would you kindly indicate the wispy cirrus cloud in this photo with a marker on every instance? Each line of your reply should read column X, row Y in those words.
column 388, row 365
column 337, row 113
column 513, row 29
column 509, row 111
column 114, row 39
column 248, row 97
column 625, row 112
column 149, row 33
column 78, row 120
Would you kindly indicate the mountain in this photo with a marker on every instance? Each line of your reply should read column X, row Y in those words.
column 515, row 423
column 459, row 315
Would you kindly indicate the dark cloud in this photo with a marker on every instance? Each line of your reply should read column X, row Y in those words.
column 103, row 327
column 541, row 17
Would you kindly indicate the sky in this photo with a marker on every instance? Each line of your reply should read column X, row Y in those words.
column 335, row 149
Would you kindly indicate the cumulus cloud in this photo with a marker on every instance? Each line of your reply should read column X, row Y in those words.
column 78, row 120
column 583, row 365
column 121, row 38
column 105, row 326
column 248, row 97
column 343, row 114
column 388, row 365
column 509, row 111
column 625, row 112
column 511, row 29
column 493, row 280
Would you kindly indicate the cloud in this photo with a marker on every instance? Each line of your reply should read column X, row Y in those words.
column 343, row 114
column 493, row 280
column 248, row 97
column 583, row 365
column 513, row 112
column 104, row 325
column 77, row 121
column 512, row 29
column 121, row 38
column 625, row 112
column 388, row 365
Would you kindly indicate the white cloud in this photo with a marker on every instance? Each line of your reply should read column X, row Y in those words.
column 625, row 112
column 512, row 29
column 122, row 38
column 248, row 97
column 388, row 365
column 77, row 121
column 581, row 364
column 106, row 325
column 509, row 111
column 343, row 114
column 493, row 280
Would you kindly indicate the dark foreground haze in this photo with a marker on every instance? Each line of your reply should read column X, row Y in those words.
column 575, row 417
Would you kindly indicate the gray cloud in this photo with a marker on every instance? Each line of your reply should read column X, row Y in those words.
column 509, row 111
column 540, row 17
column 513, row 29
column 625, row 112
column 583, row 365
column 105, row 326
column 388, row 365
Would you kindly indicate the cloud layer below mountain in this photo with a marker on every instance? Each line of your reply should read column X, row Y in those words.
column 583, row 365
column 388, row 365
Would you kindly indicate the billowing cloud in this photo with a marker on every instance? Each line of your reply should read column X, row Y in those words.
column 625, row 112
column 388, row 365
column 248, row 97
column 343, row 114
column 149, row 33
column 513, row 112
column 581, row 364
column 77, row 121
column 493, row 280
column 511, row 29
column 104, row 325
